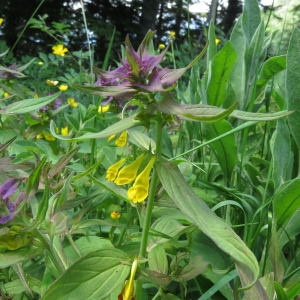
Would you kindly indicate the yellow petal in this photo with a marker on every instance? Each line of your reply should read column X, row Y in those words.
column 63, row 87
column 111, row 137
column 103, row 109
column 113, row 170
column 121, row 141
column 128, row 290
column 64, row 131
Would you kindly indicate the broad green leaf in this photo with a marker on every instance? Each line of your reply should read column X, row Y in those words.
column 280, row 293
column 224, row 149
column 211, row 225
column 267, row 283
column 14, row 287
column 94, row 276
column 286, row 201
column 157, row 260
column 269, row 69
column 221, row 67
column 248, row 116
column 113, row 129
column 195, row 267
column 251, row 19
column 141, row 140
column 292, row 84
column 212, row 47
column 281, row 151
column 28, row 105
column 292, row 289
column 6, row 144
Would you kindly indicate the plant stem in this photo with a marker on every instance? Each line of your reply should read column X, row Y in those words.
column 150, row 203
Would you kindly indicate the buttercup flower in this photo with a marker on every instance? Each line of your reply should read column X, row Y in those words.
column 115, row 215
column 103, row 109
column 139, row 191
column 128, row 290
column 63, row 87
column 113, row 170
column 7, row 207
column 172, row 35
column 128, row 173
column 161, row 46
column 40, row 63
column 72, row 102
column 111, row 137
column 52, row 82
column 6, row 95
column 121, row 141
column 59, row 50
column 218, row 41
column 64, row 131
column 35, row 96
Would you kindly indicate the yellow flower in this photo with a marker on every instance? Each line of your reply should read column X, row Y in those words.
column 48, row 136
column 35, row 96
column 111, row 137
column 172, row 35
column 64, row 131
column 115, row 215
column 103, row 109
column 40, row 63
column 121, row 141
column 128, row 173
column 113, row 170
column 52, row 82
column 6, row 95
column 161, row 46
column 1, row 20
column 63, row 87
column 39, row 136
column 218, row 41
column 128, row 289
column 139, row 191
column 59, row 50
column 72, row 102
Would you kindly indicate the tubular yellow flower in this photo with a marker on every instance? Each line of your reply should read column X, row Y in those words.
column 128, row 289
column 218, row 41
column 103, row 109
column 52, row 82
column 64, row 131
column 59, row 50
column 128, row 173
column 139, row 191
column 161, row 46
column 115, row 215
column 111, row 137
column 48, row 136
column 113, row 170
column 63, row 87
column 121, row 141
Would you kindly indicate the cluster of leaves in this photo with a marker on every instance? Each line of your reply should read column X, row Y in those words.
column 220, row 220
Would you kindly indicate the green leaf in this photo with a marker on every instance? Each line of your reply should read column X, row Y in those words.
column 6, row 144
column 113, row 129
column 15, row 239
column 292, row 84
column 269, row 69
column 157, row 260
column 280, row 293
column 286, row 201
column 211, row 225
column 101, row 272
column 224, row 149
column 212, row 47
column 141, row 140
column 28, row 105
column 195, row 267
column 281, row 152
column 222, row 65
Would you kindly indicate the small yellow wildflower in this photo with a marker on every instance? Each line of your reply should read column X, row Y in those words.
column 172, row 35
column 128, row 173
column 218, row 41
column 103, row 109
column 121, row 141
column 111, row 137
column 59, row 50
column 35, row 96
column 128, row 289
column 139, row 191
column 6, row 94
column 39, row 136
column 161, row 46
column 72, row 102
column 48, row 136
column 115, row 215
column 64, row 131
column 113, row 170
column 57, row 130
column 63, row 87
column 1, row 20
column 40, row 63
column 52, row 82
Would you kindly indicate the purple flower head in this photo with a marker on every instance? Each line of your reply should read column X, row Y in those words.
column 7, row 207
column 6, row 74
column 56, row 104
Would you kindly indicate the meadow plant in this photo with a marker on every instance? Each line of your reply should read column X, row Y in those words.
column 124, row 185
